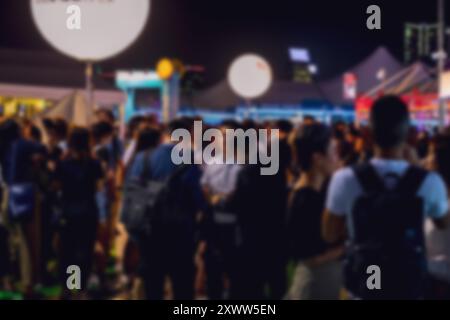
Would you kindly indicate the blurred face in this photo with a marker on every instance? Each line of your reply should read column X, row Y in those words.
column 327, row 163
column 103, row 117
column 52, row 137
column 26, row 132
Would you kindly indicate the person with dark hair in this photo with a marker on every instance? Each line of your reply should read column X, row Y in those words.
column 218, row 182
column 114, row 146
column 60, row 130
column 56, row 130
column 438, row 241
column 133, row 129
column 78, row 178
column 308, row 120
column 380, row 206
column 257, row 203
column 5, row 261
column 21, row 162
column 423, row 143
column 9, row 133
column 147, row 139
column 102, row 133
column 317, row 269
column 35, row 134
column 285, row 128
column 105, row 115
column 169, row 247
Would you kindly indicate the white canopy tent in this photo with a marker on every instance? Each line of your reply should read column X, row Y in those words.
column 72, row 108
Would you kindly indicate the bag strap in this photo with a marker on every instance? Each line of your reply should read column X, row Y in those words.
column 146, row 173
column 368, row 178
column 178, row 172
column 412, row 180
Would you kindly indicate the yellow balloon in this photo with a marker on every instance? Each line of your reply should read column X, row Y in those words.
column 165, row 68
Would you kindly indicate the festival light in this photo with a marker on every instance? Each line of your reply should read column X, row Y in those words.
column 250, row 76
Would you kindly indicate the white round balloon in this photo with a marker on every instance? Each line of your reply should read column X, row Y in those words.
column 250, row 76
column 105, row 29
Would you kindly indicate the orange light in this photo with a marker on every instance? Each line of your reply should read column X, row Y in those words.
column 165, row 68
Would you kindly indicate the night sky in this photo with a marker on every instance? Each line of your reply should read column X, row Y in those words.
column 213, row 32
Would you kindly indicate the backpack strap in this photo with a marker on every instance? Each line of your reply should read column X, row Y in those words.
column 146, row 171
column 368, row 178
column 412, row 180
column 177, row 173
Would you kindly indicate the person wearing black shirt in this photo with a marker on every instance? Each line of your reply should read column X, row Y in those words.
column 78, row 177
column 259, row 202
column 318, row 273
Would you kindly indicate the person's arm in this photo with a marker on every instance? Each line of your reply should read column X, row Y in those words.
column 333, row 227
column 341, row 193
column 435, row 194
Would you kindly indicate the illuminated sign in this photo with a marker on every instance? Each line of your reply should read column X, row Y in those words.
column 299, row 55
column 350, row 86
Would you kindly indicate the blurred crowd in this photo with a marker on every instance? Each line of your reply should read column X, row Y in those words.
column 113, row 203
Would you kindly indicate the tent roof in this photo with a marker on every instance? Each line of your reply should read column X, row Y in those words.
column 366, row 73
column 73, row 108
column 221, row 96
column 416, row 76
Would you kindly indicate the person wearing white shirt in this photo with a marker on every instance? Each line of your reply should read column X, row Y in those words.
column 389, row 123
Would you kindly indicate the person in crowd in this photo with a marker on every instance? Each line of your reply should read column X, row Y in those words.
column 346, row 153
column 103, row 133
column 57, row 130
column 43, row 178
column 147, row 141
column 110, row 150
column 115, row 146
column 21, row 161
column 218, row 182
column 380, row 206
column 285, row 128
column 259, row 202
column 171, row 243
column 78, row 178
column 5, row 261
column 318, row 269
column 133, row 129
column 423, row 144
column 148, row 138
column 438, row 241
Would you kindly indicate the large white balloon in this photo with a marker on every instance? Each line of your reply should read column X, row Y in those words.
column 107, row 27
column 250, row 76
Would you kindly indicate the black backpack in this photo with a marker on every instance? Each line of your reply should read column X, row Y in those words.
column 149, row 205
column 388, row 233
column 139, row 198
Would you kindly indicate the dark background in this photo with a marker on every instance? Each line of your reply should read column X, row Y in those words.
column 213, row 32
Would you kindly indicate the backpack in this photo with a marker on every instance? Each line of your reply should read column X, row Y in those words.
column 149, row 204
column 174, row 208
column 388, row 233
column 138, row 196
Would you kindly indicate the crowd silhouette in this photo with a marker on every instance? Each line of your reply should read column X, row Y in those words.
column 139, row 226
